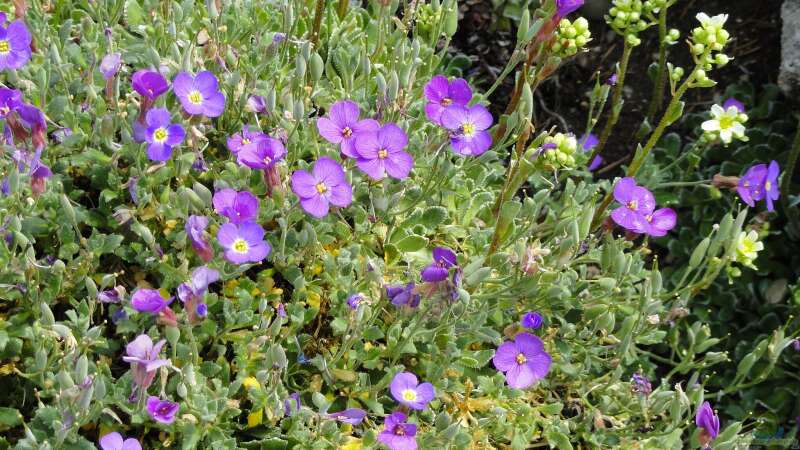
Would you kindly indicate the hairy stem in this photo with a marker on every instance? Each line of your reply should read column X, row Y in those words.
column 661, row 80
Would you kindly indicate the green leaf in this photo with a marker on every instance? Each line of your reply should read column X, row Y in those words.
column 10, row 417
column 558, row 439
column 433, row 216
column 411, row 243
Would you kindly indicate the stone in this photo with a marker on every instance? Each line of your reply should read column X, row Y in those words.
column 789, row 77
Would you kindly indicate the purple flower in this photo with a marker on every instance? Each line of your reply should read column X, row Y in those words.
column 239, row 207
column 733, row 102
column 114, row 441
column 612, row 80
column 243, row 243
column 61, row 134
column 532, row 320
column 199, row 94
column 407, row 390
column 110, row 65
column 443, row 260
column 796, row 344
column 256, row 104
column 640, row 384
column 163, row 411
column 263, row 155
column 111, row 295
column 144, row 360
column 5, row 187
column 442, row 93
column 589, row 141
column 149, row 300
column 468, row 127
column 638, row 213
column 381, row 153
column 595, row 164
column 246, row 139
column 567, row 6
column 343, row 126
column 162, row 134
column 198, row 284
column 403, row 294
column 195, row 229
column 287, row 404
column 760, row 182
column 524, row 360
column 149, row 83
column 355, row 300
column 353, row 416
column 38, row 172
column 10, row 100
column 709, row 422
column 397, row 434
column 15, row 45
column 324, row 185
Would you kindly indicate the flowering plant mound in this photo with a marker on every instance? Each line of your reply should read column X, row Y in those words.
column 364, row 255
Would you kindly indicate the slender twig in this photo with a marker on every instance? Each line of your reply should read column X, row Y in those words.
column 661, row 80
column 616, row 100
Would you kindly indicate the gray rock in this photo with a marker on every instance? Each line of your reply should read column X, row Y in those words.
column 789, row 78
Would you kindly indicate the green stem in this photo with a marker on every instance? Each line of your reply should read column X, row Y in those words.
column 661, row 80
column 616, row 100
column 320, row 10
column 342, row 9
column 684, row 184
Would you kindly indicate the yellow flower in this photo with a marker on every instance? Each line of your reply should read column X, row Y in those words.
column 251, row 383
column 747, row 248
column 353, row 443
column 254, row 418
column 313, row 300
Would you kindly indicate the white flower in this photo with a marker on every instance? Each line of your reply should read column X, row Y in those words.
column 725, row 124
column 717, row 21
column 747, row 248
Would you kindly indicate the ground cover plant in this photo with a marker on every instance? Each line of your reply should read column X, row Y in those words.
column 295, row 224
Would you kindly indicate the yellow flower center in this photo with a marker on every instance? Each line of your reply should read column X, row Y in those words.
column 347, row 132
column 446, row 101
column 160, row 135
column 726, row 122
column 649, row 218
column 382, row 153
column 240, row 246
column 267, row 160
column 409, row 395
column 633, row 204
column 746, row 183
column 468, row 129
column 4, row 46
column 245, row 141
column 399, row 431
column 521, row 359
column 767, row 185
column 195, row 97
column 321, row 188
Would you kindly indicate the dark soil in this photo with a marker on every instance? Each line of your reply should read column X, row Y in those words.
column 754, row 25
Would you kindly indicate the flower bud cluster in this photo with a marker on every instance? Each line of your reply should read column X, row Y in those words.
column 707, row 44
column 560, row 149
column 628, row 18
column 571, row 37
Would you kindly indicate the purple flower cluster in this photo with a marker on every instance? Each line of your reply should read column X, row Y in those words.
column 255, row 149
column 708, row 422
column 323, row 186
column 760, row 182
column 15, row 45
column 241, row 237
column 163, row 411
column 144, row 360
column 24, row 121
column 523, row 360
column 638, row 211
column 448, row 107
column 397, row 433
column 344, row 126
column 115, row 441
column 403, row 295
column 191, row 293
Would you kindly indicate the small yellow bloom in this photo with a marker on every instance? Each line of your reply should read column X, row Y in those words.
column 313, row 300
column 254, row 418
column 251, row 383
column 353, row 443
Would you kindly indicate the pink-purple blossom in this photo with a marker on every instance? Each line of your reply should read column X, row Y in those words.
column 735, row 103
column 10, row 100
column 15, row 45
column 115, row 441
column 708, row 422
column 638, row 213
column 565, row 7
column 110, row 64
column 256, row 104
column 325, row 185
column 238, row 207
column 397, row 433
column 382, row 152
column 195, row 230
column 407, row 390
column 243, row 243
column 162, row 135
column 263, row 155
column 443, row 260
column 149, row 83
column 403, row 295
column 353, row 416
column 149, row 301
column 163, row 411
column 355, row 300
column 343, row 126
column 247, row 138
column 442, row 93
column 532, row 320
column 144, row 360
column 199, row 94
column 523, row 360
column 468, row 125
column 760, row 182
